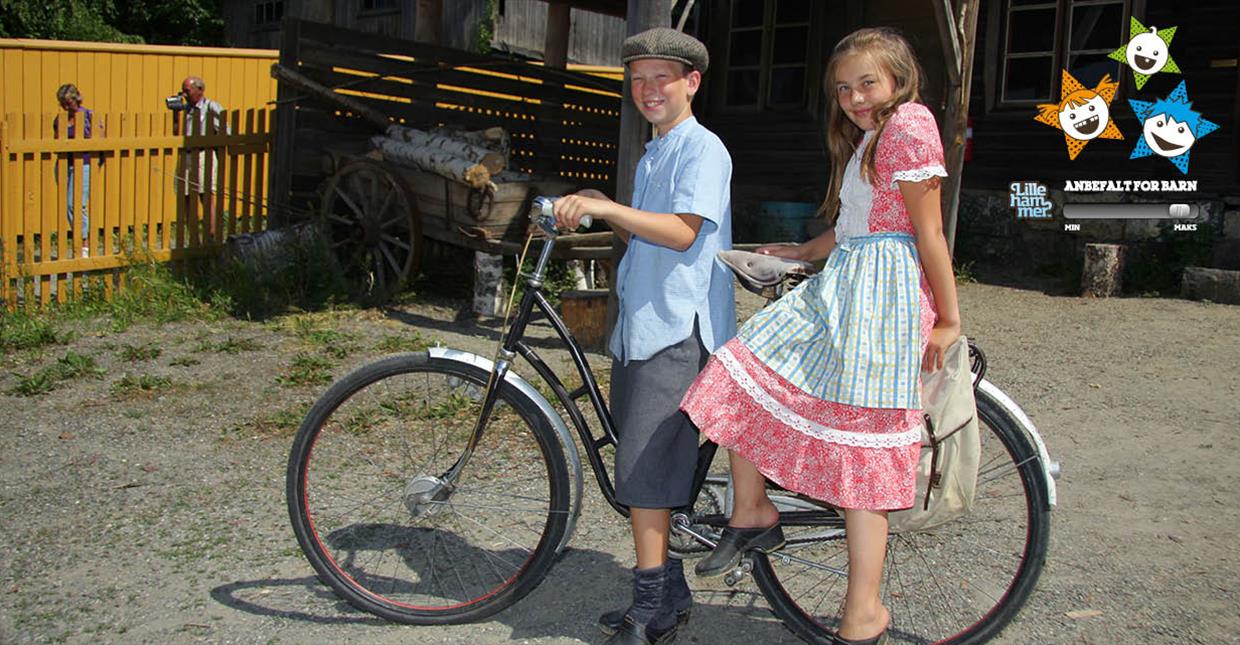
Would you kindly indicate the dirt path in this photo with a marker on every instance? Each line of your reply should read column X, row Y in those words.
column 151, row 508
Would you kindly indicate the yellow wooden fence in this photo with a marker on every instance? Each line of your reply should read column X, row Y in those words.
column 134, row 157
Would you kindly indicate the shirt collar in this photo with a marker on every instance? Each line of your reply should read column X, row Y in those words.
column 680, row 130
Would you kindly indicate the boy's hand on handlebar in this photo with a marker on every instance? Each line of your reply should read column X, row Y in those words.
column 941, row 337
column 570, row 209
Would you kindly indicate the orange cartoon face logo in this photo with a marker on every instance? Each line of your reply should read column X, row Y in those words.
column 1081, row 113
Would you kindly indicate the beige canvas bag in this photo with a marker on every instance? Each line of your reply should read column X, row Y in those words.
column 946, row 481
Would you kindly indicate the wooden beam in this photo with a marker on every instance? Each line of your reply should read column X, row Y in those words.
column 634, row 129
column 555, row 44
column 280, row 175
column 948, row 35
column 956, row 119
column 427, row 19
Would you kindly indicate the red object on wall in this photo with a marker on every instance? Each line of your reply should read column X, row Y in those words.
column 968, row 140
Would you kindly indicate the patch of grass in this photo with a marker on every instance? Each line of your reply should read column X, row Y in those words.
column 966, row 273
column 306, row 369
column 130, row 385
column 337, row 344
column 232, row 345
column 405, row 343
column 70, row 366
column 20, row 330
column 131, row 354
column 274, row 424
column 184, row 361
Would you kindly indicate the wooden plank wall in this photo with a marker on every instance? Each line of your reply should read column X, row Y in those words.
column 561, row 123
column 1009, row 145
column 128, row 78
column 594, row 39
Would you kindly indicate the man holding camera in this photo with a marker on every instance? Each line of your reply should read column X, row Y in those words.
column 198, row 173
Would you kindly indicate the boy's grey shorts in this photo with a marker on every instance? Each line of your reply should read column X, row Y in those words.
column 658, row 444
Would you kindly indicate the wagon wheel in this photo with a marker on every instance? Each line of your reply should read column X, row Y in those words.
column 370, row 220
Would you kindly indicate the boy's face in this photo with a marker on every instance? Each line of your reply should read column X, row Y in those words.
column 662, row 91
column 860, row 86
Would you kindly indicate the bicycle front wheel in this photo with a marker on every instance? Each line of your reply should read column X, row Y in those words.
column 377, row 517
column 959, row 583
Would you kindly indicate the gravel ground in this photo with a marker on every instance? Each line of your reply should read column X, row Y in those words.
column 147, row 504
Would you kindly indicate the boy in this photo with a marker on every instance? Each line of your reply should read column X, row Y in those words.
column 676, row 306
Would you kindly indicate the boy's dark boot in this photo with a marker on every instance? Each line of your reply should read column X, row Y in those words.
column 678, row 596
column 650, row 619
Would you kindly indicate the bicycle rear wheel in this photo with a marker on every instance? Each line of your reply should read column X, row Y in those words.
column 373, row 514
column 957, row 583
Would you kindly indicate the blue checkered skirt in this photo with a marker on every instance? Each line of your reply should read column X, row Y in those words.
column 852, row 333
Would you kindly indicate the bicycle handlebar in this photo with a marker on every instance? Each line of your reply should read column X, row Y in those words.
column 542, row 215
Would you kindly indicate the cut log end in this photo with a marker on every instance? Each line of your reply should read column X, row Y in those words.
column 1102, row 275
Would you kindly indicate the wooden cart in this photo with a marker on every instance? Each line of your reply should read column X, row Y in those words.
column 375, row 216
column 338, row 88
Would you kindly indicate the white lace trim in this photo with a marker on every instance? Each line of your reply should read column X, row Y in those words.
column 806, row 426
column 918, row 174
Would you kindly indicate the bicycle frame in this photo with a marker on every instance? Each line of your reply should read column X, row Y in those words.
column 513, row 345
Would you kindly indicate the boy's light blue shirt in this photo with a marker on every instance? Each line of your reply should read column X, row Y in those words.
column 661, row 290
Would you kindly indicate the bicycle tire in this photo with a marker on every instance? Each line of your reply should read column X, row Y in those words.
column 374, row 522
column 933, row 580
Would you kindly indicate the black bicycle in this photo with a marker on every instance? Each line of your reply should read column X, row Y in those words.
column 438, row 487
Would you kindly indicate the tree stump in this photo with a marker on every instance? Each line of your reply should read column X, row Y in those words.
column 1103, row 273
column 489, row 296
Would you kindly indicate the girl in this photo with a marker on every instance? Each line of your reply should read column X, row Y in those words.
column 820, row 391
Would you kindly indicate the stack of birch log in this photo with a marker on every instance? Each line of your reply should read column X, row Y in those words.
column 468, row 157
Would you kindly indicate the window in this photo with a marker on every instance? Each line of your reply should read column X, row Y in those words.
column 767, row 53
column 1041, row 38
column 379, row 5
column 267, row 12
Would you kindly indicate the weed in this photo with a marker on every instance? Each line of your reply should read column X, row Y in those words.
column 184, row 361
column 306, row 369
column 405, row 343
column 276, row 423
column 966, row 273
column 20, row 330
column 131, row 354
column 143, row 384
column 237, row 345
column 71, row 365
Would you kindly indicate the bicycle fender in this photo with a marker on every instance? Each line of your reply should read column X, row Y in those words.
column 577, row 480
column 1049, row 468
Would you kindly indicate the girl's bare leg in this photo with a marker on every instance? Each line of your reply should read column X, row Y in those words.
column 864, row 614
column 751, row 508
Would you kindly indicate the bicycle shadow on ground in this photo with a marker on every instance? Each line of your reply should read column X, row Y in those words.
column 583, row 584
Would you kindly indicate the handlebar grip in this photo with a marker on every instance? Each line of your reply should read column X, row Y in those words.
column 543, row 215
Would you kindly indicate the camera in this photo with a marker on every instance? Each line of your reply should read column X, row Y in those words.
column 176, row 102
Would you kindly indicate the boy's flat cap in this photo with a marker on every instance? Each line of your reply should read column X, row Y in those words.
column 668, row 44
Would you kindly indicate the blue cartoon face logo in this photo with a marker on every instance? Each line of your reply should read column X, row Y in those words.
column 1170, row 127
column 1147, row 52
column 1166, row 136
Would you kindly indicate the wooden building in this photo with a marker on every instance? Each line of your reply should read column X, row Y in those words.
column 763, row 93
column 514, row 26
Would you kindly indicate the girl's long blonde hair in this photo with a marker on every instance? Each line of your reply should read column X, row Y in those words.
column 892, row 53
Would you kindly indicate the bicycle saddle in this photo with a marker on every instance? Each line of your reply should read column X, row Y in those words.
column 756, row 271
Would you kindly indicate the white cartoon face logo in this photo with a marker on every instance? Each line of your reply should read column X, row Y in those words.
column 1086, row 121
column 1168, row 137
column 1147, row 53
